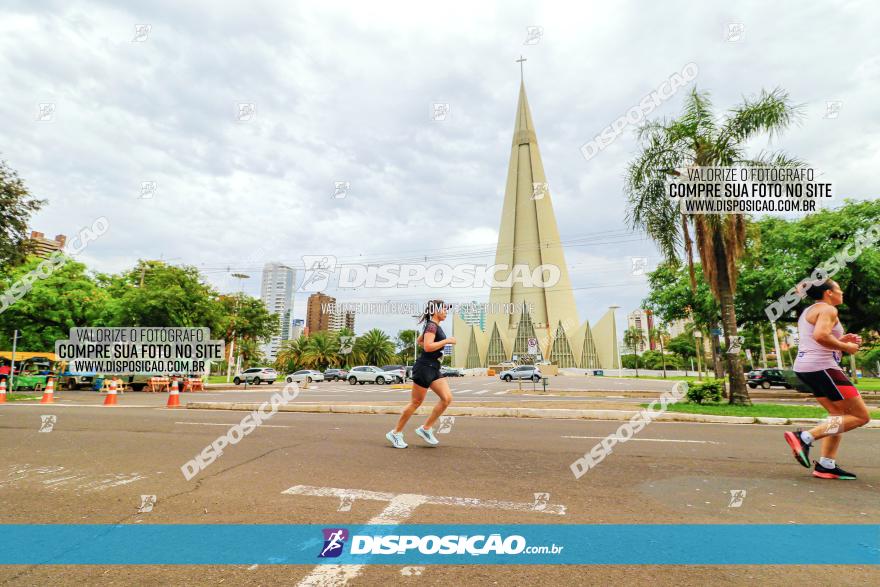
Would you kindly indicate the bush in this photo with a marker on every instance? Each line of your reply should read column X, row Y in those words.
column 709, row 391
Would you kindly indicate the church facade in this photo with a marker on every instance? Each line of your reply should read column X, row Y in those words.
column 546, row 316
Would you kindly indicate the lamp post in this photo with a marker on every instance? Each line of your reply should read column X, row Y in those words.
column 240, row 277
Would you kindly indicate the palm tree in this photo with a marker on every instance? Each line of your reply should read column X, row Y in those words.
column 697, row 138
column 634, row 338
column 375, row 348
column 659, row 334
column 321, row 350
column 290, row 353
column 345, row 359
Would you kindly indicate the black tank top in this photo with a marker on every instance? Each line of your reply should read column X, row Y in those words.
column 434, row 356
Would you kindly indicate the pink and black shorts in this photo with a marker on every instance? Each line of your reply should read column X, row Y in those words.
column 830, row 383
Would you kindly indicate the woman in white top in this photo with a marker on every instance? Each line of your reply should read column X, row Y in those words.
column 821, row 347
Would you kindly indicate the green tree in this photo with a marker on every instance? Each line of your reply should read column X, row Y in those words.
column 406, row 346
column 375, row 348
column 321, row 351
column 157, row 294
column 290, row 355
column 16, row 207
column 66, row 298
column 698, row 138
column 660, row 335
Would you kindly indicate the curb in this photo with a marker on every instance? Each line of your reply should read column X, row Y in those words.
column 547, row 413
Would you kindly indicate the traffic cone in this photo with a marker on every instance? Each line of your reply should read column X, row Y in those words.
column 49, row 392
column 110, row 398
column 2, row 391
column 173, row 396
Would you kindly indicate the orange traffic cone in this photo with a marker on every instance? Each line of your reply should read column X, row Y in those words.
column 110, row 398
column 49, row 392
column 2, row 391
column 173, row 396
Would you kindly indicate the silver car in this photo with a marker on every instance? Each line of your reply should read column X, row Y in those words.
column 306, row 375
column 522, row 372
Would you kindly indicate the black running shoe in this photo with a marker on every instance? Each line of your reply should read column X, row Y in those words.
column 800, row 448
column 835, row 473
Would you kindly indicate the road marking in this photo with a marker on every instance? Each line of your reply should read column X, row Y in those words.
column 650, row 439
column 399, row 508
column 500, row 392
column 481, row 392
column 462, row 391
column 227, row 425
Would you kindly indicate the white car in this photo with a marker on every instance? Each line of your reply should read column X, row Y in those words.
column 256, row 376
column 365, row 373
column 306, row 375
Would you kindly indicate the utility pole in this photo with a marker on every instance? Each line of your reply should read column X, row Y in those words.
column 763, row 352
column 240, row 277
column 143, row 272
column 776, row 347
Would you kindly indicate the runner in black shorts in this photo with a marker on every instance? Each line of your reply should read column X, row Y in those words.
column 822, row 344
column 426, row 375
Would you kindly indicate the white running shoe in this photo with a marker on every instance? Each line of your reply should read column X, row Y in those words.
column 396, row 439
column 427, row 435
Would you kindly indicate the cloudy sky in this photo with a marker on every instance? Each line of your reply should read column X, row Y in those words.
column 344, row 92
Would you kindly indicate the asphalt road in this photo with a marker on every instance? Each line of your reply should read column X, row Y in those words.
column 96, row 463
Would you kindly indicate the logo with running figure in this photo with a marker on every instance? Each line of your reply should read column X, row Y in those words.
column 334, row 540
column 318, row 269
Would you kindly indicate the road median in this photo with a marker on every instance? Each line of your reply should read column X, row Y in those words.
column 511, row 412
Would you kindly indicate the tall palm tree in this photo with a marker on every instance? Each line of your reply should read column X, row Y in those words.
column 375, row 348
column 698, row 138
column 321, row 350
column 634, row 338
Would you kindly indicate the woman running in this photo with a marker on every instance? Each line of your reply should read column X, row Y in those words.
column 426, row 374
column 821, row 346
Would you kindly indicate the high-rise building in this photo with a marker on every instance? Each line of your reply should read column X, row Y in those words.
column 642, row 320
column 297, row 329
column 43, row 247
column 529, row 245
column 349, row 321
column 320, row 313
column 277, row 291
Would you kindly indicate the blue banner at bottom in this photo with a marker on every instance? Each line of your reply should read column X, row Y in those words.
column 567, row 544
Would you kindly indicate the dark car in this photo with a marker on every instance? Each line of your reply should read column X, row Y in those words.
column 335, row 374
column 768, row 378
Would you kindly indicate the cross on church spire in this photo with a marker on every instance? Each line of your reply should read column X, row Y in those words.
column 520, row 61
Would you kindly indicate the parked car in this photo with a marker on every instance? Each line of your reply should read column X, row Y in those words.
column 507, row 364
column 335, row 374
column 397, row 371
column 767, row 378
column 256, row 376
column 369, row 374
column 522, row 372
column 306, row 375
column 451, row 372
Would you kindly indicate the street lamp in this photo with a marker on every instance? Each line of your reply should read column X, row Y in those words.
column 240, row 277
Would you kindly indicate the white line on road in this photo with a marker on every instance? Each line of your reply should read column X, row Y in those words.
column 227, row 425
column 481, row 392
column 650, row 439
column 399, row 508
column 500, row 392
